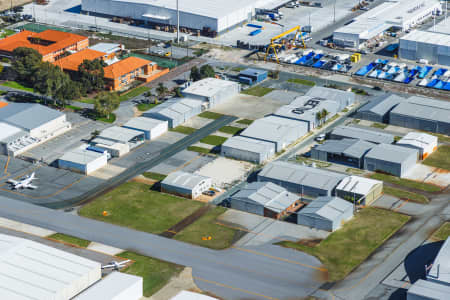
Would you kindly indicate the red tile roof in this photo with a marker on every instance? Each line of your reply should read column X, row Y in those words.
column 124, row 66
column 72, row 61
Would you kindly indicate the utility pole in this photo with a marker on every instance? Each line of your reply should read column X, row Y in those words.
column 178, row 24
column 334, row 12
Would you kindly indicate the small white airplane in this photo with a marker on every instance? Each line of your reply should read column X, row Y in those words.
column 25, row 183
column 116, row 265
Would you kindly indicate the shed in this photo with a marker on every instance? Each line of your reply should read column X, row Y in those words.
column 391, row 159
column 122, row 135
column 185, row 184
column 346, row 151
column 425, row 143
column 280, row 131
column 248, row 149
column 365, row 134
column 152, row 128
column 427, row 290
column 115, row 286
column 378, row 109
column 212, row 90
column 252, row 76
column 362, row 190
column 326, row 213
column 176, row 111
column 264, row 199
column 83, row 161
column 301, row 179
column 31, row 270
column 343, row 98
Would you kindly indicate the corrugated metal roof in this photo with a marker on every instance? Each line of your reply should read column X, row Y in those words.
column 252, row 72
column 143, row 123
column 430, row 290
column 382, row 104
column 391, row 153
column 428, row 37
column 301, row 175
column 249, row 144
column 270, row 195
column 9, row 133
column 418, row 139
column 106, row 47
column 363, row 134
column 424, row 108
column 357, row 184
column 348, row 147
column 271, row 128
column 208, row 87
column 116, row 133
column 329, row 208
column 28, row 115
column 81, row 156
column 344, row 98
column 176, row 107
column 183, row 179
column 440, row 271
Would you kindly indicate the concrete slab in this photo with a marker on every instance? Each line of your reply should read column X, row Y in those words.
column 398, row 205
column 248, row 107
column 197, row 122
column 108, row 172
column 203, row 145
column 429, row 174
column 284, row 96
column 22, row 227
column 104, row 248
column 176, row 162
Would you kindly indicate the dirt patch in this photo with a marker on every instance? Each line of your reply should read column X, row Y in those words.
column 142, row 179
column 309, row 242
column 172, row 231
column 184, row 281
column 4, row 4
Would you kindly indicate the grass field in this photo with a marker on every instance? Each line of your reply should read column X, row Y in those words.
column 111, row 119
column 354, row 171
column 442, row 233
column 16, row 85
column 238, row 69
column 145, row 106
column 70, row 239
column 155, row 176
column 184, row 130
column 134, row 205
column 221, row 236
column 214, row 140
column 406, row 182
column 210, row 115
column 348, row 247
column 245, row 121
column 414, row 197
column 155, row 273
column 302, row 81
column 230, row 130
column 199, row 149
column 133, row 93
column 258, row 91
column 74, row 108
column 86, row 100
column 379, row 125
column 440, row 158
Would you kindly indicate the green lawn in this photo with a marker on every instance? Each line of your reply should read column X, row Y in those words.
column 74, row 108
column 245, row 121
column 406, row 182
column 221, row 236
column 258, row 91
column 70, row 239
column 360, row 92
column 230, row 130
column 345, row 249
column 214, row 140
column 145, row 106
column 199, row 149
column 414, row 197
column 442, row 233
column 133, row 93
column 16, row 85
column 111, row 119
column 379, row 125
column 155, row 273
column 354, row 171
column 439, row 158
column 6, row 32
column 86, row 100
column 302, row 81
column 184, row 130
column 134, row 205
column 210, row 115
column 154, row 176
column 238, row 69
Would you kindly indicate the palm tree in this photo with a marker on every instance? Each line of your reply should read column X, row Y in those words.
column 318, row 117
column 324, row 114
column 161, row 90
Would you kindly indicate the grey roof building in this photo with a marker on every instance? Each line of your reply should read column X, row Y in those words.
column 279, row 131
column 326, row 213
column 301, row 179
column 152, row 128
column 392, row 159
column 346, row 151
column 344, row 98
column 248, row 149
column 264, row 199
column 377, row 110
column 423, row 114
column 176, row 111
column 352, row 132
column 185, row 184
column 212, row 90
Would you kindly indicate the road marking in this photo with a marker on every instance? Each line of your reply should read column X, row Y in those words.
column 279, row 258
column 401, row 205
column 234, row 288
column 6, row 166
column 171, row 231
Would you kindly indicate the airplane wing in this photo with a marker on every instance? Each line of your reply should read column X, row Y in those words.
column 124, row 262
column 108, row 266
column 33, row 187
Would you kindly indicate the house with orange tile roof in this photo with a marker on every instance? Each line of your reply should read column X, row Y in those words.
column 121, row 74
column 71, row 62
column 51, row 44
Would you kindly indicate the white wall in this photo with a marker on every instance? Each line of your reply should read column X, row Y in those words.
column 201, row 187
column 46, row 130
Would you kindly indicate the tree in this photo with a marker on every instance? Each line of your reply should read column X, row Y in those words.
column 161, row 90
column 105, row 103
column 324, row 114
column 178, row 93
column 207, row 71
column 318, row 117
column 195, row 74
column 91, row 74
column 25, row 63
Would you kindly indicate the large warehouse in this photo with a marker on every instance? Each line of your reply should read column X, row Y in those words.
column 264, row 199
column 247, row 149
column 378, row 109
column 217, row 15
column 392, row 159
column 362, row 190
column 83, row 160
column 118, row 140
column 326, row 213
column 185, row 184
column 176, row 111
column 423, row 114
column 344, row 98
column 212, row 90
column 152, row 128
column 301, row 179
column 365, row 134
column 425, row 143
column 401, row 15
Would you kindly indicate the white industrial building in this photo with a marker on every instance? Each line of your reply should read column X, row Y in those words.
column 186, row 184
column 212, row 90
column 433, row 47
column 326, row 213
column 176, row 111
column 248, row 149
column 115, row 286
column 118, row 140
column 152, row 128
column 217, row 15
column 280, row 131
column 365, row 134
column 440, row 270
column 425, row 143
column 344, row 98
column 397, row 14
column 362, row 190
column 83, row 160
column 30, row 270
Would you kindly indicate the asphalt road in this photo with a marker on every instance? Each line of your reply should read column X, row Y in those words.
column 268, row 272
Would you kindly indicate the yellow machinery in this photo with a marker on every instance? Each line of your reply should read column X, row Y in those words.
column 356, row 57
column 274, row 45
